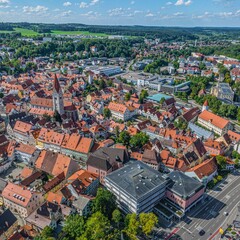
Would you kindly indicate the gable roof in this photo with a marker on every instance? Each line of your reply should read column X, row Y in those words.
column 105, row 158
column 214, row 119
column 7, row 219
column 205, row 169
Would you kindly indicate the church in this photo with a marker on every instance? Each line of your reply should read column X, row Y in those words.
column 52, row 104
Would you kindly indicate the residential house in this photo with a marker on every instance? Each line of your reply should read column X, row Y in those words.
column 8, row 224
column 215, row 148
column 56, row 163
column 48, row 214
column 21, row 200
column 205, row 171
column 105, row 160
column 194, row 153
column 151, row 158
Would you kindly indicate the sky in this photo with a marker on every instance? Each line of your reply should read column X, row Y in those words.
column 186, row 13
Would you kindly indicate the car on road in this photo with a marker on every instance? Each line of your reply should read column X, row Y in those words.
column 225, row 213
column 201, row 232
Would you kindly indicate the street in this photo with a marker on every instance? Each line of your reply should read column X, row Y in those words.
column 210, row 215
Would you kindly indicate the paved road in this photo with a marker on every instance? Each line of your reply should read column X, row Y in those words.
column 211, row 217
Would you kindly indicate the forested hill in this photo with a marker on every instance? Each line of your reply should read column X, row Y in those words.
column 164, row 33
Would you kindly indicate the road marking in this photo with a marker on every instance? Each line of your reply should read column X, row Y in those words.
column 224, row 221
column 172, row 233
column 215, row 197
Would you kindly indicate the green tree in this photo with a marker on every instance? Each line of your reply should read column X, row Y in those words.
column 107, row 113
column 117, row 216
column 97, row 227
column 139, row 139
column 132, row 226
column 1, row 95
column 105, row 202
column 102, row 84
column 46, row 234
column 144, row 94
column 127, row 96
column 74, row 226
column 221, row 161
column 47, row 117
column 57, row 117
column 124, row 138
column 162, row 100
column 147, row 221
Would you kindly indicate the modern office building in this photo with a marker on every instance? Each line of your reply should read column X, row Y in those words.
column 137, row 187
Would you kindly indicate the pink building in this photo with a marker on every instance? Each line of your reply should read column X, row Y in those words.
column 106, row 160
column 184, row 191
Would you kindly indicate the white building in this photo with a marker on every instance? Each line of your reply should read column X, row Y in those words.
column 137, row 187
column 214, row 123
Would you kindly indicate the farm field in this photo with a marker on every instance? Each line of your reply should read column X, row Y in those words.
column 26, row 32
column 86, row 33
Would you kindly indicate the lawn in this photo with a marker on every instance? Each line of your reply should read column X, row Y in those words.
column 86, row 33
column 3, row 31
column 26, row 32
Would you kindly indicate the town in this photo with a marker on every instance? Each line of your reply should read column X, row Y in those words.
column 118, row 138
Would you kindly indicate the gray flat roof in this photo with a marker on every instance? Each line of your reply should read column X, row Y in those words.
column 137, row 179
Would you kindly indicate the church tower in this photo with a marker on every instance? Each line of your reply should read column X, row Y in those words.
column 57, row 97
column 205, row 106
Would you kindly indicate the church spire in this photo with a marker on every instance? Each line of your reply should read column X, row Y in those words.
column 56, row 84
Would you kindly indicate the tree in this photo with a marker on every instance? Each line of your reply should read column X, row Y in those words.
column 139, row 139
column 116, row 130
column 47, row 117
column 132, row 226
column 221, row 161
column 102, row 84
column 127, row 96
column 117, row 216
column 1, row 95
column 107, row 113
column 147, row 221
column 57, row 117
column 105, row 203
column 46, row 234
column 144, row 94
column 162, row 100
column 124, row 138
column 74, row 226
column 97, row 227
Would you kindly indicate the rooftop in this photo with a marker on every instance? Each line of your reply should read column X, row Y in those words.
column 137, row 179
column 157, row 97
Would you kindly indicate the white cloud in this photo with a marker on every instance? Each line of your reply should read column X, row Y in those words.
column 86, row 5
column 149, row 15
column 93, row 2
column 83, row 5
column 67, row 4
column 182, row 2
column 132, row 2
column 188, row 2
column 169, row 3
column 4, row 1
column 66, row 14
column 38, row 9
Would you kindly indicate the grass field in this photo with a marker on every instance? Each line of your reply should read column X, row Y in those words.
column 26, row 32
column 3, row 31
column 86, row 33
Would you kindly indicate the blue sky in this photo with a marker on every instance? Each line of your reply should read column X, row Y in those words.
column 124, row 12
